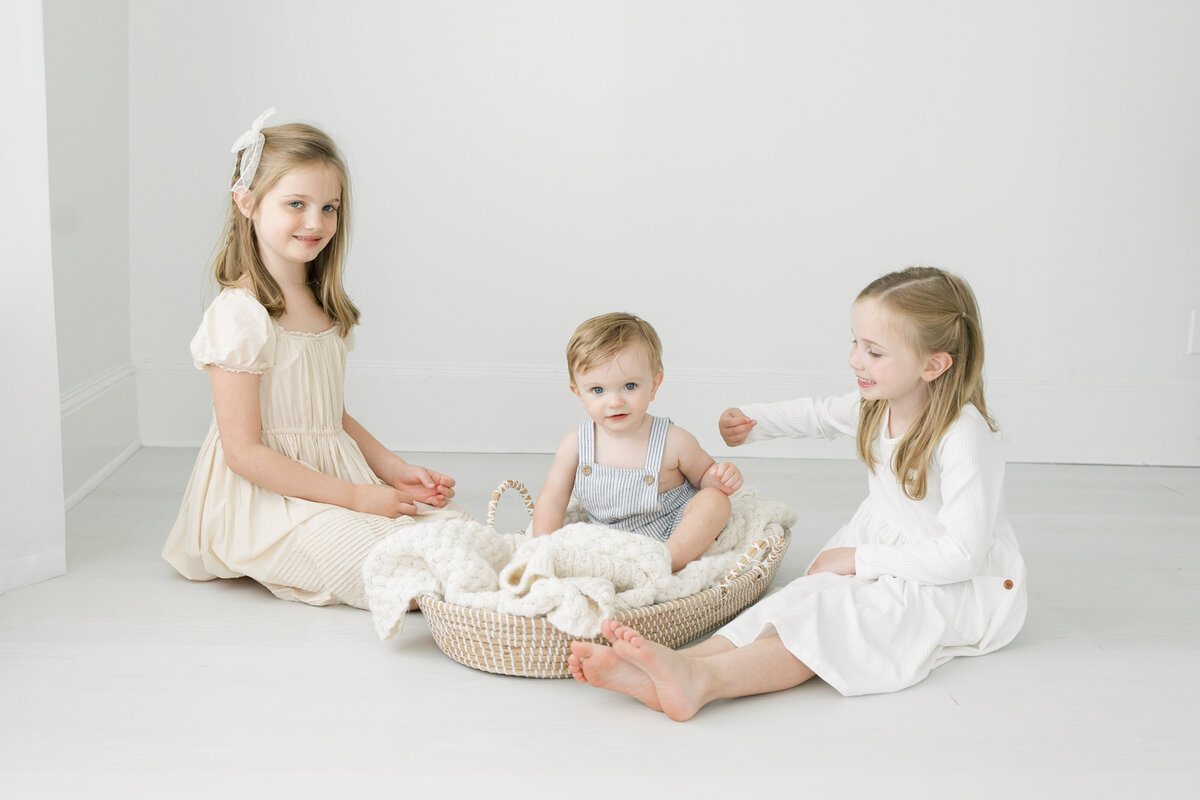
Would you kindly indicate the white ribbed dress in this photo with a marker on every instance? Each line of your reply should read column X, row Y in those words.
column 229, row 527
column 936, row 578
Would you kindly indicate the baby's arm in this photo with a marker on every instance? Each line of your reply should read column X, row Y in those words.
column 239, row 423
column 424, row 485
column 551, row 507
column 698, row 466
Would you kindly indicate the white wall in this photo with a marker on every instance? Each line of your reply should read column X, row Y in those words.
column 87, row 100
column 734, row 172
column 33, row 534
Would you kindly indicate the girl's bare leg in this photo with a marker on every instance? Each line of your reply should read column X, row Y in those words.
column 600, row 666
column 703, row 519
column 684, row 682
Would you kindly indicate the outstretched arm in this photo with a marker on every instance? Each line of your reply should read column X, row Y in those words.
column 551, row 507
column 806, row 418
column 239, row 423
column 422, row 484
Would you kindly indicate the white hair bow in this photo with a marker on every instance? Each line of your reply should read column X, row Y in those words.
column 252, row 142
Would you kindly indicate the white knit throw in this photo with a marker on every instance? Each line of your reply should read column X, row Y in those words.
column 575, row 577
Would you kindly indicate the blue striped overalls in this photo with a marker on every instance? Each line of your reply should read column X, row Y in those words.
column 629, row 498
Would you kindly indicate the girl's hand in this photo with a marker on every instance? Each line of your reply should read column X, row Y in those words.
column 724, row 476
column 734, row 426
column 386, row 501
column 839, row 560
column 427, row 486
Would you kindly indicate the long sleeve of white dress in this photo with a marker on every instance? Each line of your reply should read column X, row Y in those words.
column 805, row 418
column 949, row 534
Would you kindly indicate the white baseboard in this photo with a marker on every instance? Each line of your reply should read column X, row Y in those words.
column 524, row 408
column 99, row 430
column 31, row 569
column 96, row 478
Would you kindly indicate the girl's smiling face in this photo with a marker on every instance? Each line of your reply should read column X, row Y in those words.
column 885, row 362
column 296, row 218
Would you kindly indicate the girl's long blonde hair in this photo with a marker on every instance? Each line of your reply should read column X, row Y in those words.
column 938, row 313
column 237, row 261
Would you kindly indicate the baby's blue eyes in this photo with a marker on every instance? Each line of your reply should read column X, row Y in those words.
column 629, row 387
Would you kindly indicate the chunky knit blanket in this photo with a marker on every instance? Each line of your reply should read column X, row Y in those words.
column 575, row 577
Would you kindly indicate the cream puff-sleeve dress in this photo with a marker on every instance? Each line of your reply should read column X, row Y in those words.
column 936, row 578
column 227, row 526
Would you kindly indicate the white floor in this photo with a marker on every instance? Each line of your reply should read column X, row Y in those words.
column 122, row 679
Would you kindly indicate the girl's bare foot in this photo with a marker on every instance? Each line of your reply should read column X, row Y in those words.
column 597, row 665
column 676, row 684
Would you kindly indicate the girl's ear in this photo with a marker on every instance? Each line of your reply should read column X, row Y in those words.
column 242, row 201
column 657, row 383
column 935, row 365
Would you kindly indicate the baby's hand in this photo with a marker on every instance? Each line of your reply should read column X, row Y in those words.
column 386, row 501
column 424, row 485
column 734, row 426
column 726, row 477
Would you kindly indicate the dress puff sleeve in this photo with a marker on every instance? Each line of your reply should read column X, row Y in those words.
column 236, row 334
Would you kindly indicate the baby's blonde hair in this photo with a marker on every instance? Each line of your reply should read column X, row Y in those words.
column 286, row 148
column 600, row 338
column 937, row 313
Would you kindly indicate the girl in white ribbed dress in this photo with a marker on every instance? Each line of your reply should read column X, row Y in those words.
column 926, row 569
column 289, row 489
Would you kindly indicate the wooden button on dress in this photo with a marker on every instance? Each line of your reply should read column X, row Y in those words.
column 587, row 470
column 1008, row 584
column 649, row 479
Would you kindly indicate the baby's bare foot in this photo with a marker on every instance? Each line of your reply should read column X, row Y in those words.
column 597, row 665
column 675, row 683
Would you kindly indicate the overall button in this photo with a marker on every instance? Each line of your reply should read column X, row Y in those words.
column 1008, row 584
column 649, row 480
column 587, row 470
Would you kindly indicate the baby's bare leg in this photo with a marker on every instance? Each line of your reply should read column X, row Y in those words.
column 686, row 683
column 703, row 518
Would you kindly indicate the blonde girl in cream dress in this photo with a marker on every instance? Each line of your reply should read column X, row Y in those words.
column 289, row 489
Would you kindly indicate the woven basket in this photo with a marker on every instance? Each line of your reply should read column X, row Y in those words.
column 530, row 647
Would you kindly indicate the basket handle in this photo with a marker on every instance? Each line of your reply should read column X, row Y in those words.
column 751, row 561
column 495, row 499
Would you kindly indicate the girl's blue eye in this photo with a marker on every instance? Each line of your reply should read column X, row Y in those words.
column 874, row 355
column 330, row 209
column 629, row 387
column 296, row 204
column 597, row 390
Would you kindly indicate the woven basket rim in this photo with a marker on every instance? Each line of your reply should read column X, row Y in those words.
column 773, row 550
